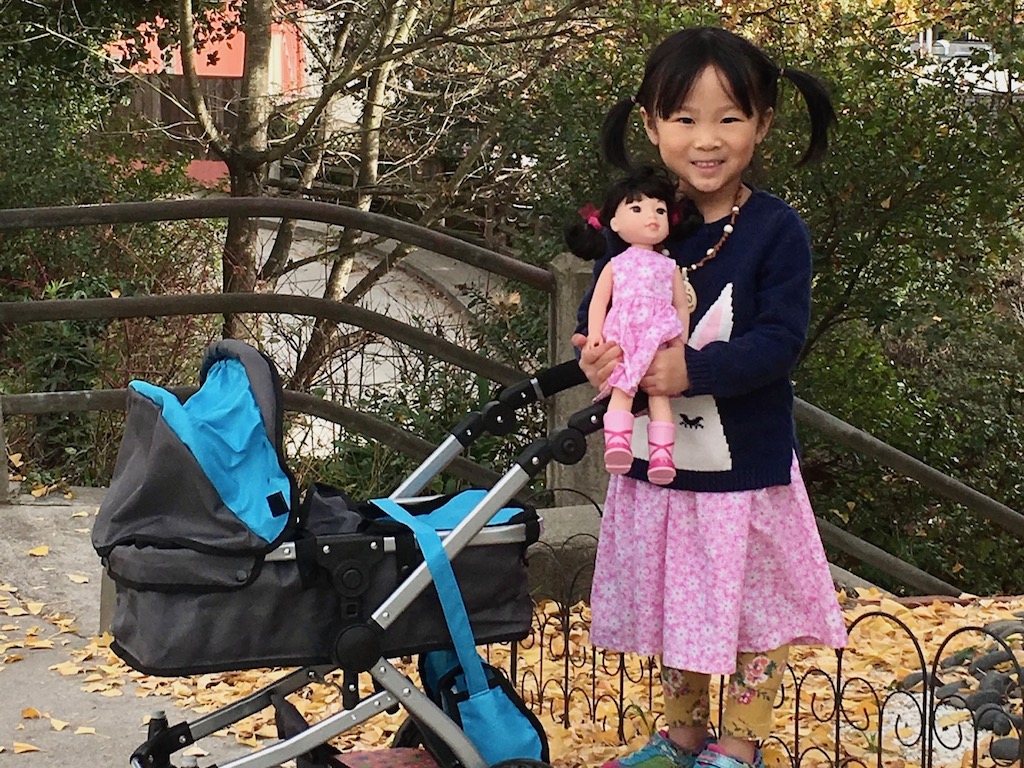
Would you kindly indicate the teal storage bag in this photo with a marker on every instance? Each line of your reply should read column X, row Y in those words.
column 474, row 694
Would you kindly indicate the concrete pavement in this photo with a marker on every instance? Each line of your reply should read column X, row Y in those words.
column 49, row 616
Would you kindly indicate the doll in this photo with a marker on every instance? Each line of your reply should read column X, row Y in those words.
column 639, row 302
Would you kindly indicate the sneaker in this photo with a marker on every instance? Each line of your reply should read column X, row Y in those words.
column 712, row 758
column 658, row 752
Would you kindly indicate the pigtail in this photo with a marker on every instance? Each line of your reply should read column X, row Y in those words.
column 819, row 108
column 613, row 134
column 584, row 240
column 685, row 219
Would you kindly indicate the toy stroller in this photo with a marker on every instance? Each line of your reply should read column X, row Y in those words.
column 218, row 568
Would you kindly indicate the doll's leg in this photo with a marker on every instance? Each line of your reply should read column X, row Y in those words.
column 618, row 433
column 661, row 437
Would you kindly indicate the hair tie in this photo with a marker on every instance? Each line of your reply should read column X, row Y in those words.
column 633, row 100
column 589, row 213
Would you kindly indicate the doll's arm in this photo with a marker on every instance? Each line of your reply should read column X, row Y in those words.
column 680, row 303
column 599, row 306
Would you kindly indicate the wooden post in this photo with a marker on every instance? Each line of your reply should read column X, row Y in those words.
column 587, row 480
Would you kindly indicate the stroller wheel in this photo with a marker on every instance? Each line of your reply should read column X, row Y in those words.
column 411, row 734
column 407, row 735
column 521, row 762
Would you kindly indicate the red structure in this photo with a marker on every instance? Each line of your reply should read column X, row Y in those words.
column 219, row 65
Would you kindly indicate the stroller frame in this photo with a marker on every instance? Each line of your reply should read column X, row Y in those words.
column 358, row 645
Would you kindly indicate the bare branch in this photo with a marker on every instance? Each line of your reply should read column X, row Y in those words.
column 188, row 69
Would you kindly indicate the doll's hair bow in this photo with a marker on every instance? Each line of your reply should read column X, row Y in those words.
column 590, row 212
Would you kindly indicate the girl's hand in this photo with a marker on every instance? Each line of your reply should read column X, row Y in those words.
column 598, row 358
column 667, row 375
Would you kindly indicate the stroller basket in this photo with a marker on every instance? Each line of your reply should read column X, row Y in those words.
column 216, row 569
column 342, row 565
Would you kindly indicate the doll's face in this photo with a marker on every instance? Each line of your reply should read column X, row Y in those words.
column 642, row 222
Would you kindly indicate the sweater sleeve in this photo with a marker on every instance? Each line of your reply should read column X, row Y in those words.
column 769, row 347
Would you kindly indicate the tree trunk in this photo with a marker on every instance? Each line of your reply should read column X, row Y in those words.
column 247, row 166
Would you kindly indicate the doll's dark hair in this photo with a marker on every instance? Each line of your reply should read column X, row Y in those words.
column 590, row 242
column 753, row 78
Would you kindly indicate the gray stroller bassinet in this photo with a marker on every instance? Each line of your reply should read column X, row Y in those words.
column 218, row 567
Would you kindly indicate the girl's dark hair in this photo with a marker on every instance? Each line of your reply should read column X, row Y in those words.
column 753, row 78
column 591, row 243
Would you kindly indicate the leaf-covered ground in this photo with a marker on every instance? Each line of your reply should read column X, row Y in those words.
column 882, row 652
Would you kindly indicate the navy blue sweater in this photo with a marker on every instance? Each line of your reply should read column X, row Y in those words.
column 735, row 426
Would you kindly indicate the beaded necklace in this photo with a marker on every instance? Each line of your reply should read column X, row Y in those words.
column 691, row 294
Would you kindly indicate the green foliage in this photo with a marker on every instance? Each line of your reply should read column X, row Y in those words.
column 916, row 226
column 58, row 146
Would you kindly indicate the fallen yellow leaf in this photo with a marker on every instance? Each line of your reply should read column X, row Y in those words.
column 66, row 668
column 954, row 718
column 77, row 578
column 21, row 748
column 84, row 730
column 34, row 608
column 58, row 725
column 31, row 713
column 15, row 459
column 40, row 551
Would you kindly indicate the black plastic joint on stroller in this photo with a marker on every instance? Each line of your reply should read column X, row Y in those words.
column 356, row 591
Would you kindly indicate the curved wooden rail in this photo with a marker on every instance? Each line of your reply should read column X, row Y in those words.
column 14, row 312
column 277, row 207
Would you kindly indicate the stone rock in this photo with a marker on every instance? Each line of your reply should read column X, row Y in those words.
column 1004, row 725
column 996, row 681
column 1005, row 749
column 988, row 660
column 975, row 701
column 960, row 657
column 948, row 690
column 1003, row 628
column 914, row 679
column 989, row 717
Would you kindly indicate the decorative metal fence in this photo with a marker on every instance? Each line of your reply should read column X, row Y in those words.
column 931, row 682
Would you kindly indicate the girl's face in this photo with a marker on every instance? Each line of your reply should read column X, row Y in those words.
column 642, row 222
column 708, row 142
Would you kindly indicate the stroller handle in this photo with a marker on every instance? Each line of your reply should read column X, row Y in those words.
column 497, row 417
column 543, row 384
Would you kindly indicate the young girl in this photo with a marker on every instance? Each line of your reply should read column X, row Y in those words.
column 722, row 570
column 648, row 308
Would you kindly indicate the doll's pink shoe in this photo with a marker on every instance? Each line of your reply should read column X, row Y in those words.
column 618, row 438
column 661, row 439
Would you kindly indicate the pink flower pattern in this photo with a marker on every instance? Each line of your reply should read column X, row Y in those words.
column 701, row 577
column 641, row 317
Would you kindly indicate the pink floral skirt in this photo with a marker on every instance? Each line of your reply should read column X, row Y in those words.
column 699, row 577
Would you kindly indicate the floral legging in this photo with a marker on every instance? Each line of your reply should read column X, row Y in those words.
column 747, row 713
